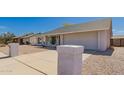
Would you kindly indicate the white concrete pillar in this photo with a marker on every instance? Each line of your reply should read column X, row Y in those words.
column 70, row 59
column 13, row 49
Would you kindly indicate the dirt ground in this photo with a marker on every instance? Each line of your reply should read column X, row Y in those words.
column 24, row 49
column 110, row 62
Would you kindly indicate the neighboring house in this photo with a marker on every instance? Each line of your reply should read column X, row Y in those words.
column 18, row 40
column 33, row 39
column 117, row 40
column 41, row 39
column 22, row 39
column 26, row 39
column 93, row 35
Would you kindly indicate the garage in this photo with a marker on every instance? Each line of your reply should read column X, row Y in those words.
column 88, row 39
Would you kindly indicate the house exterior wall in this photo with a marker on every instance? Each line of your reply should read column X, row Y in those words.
column 96, row 40
column 108, row 38
column 109, row 34
column 33, row 40
column 61, row 39
column 104, row 39
column 88, row 39
column 48, row 39
column 57, row 40
column 26, row 40
column 41, row 39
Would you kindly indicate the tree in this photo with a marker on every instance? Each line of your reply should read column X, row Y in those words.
column 7, row 37
column 31, row 33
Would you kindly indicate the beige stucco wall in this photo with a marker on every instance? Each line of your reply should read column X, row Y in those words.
column 102, row 40
column 108, row 40
column 61, row 39
column 88, row 39
column 96, row 40
column 41, row 39
column 109, row 35
column 25, row 40
column 33, row 40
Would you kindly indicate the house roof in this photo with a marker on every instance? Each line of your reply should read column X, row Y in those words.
column 103, row 24
column 27, row 36
column 15, row 37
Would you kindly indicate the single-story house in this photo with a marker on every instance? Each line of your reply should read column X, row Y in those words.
column 93, row 35
column 22, row 39
column 26, row 39
column 36, row 39
column 117, row 40
column 18, row 39
column 32, row 39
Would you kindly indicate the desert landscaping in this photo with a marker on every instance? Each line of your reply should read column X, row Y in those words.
column 110, row 62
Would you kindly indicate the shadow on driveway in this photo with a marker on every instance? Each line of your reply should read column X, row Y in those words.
column 4, row 57
column 108, row 52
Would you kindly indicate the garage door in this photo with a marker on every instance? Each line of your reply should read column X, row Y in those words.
column 87, row 39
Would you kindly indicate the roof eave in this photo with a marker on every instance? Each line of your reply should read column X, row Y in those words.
column 76, row 32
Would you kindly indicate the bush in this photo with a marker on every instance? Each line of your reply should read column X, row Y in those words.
column 6, row 38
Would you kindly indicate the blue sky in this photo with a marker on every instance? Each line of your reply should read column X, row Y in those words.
column 22, row 25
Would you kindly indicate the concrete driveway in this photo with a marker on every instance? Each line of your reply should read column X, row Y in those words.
column 35, row 63
column 10, row 66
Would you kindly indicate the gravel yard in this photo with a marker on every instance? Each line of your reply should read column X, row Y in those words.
column 110, row 62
